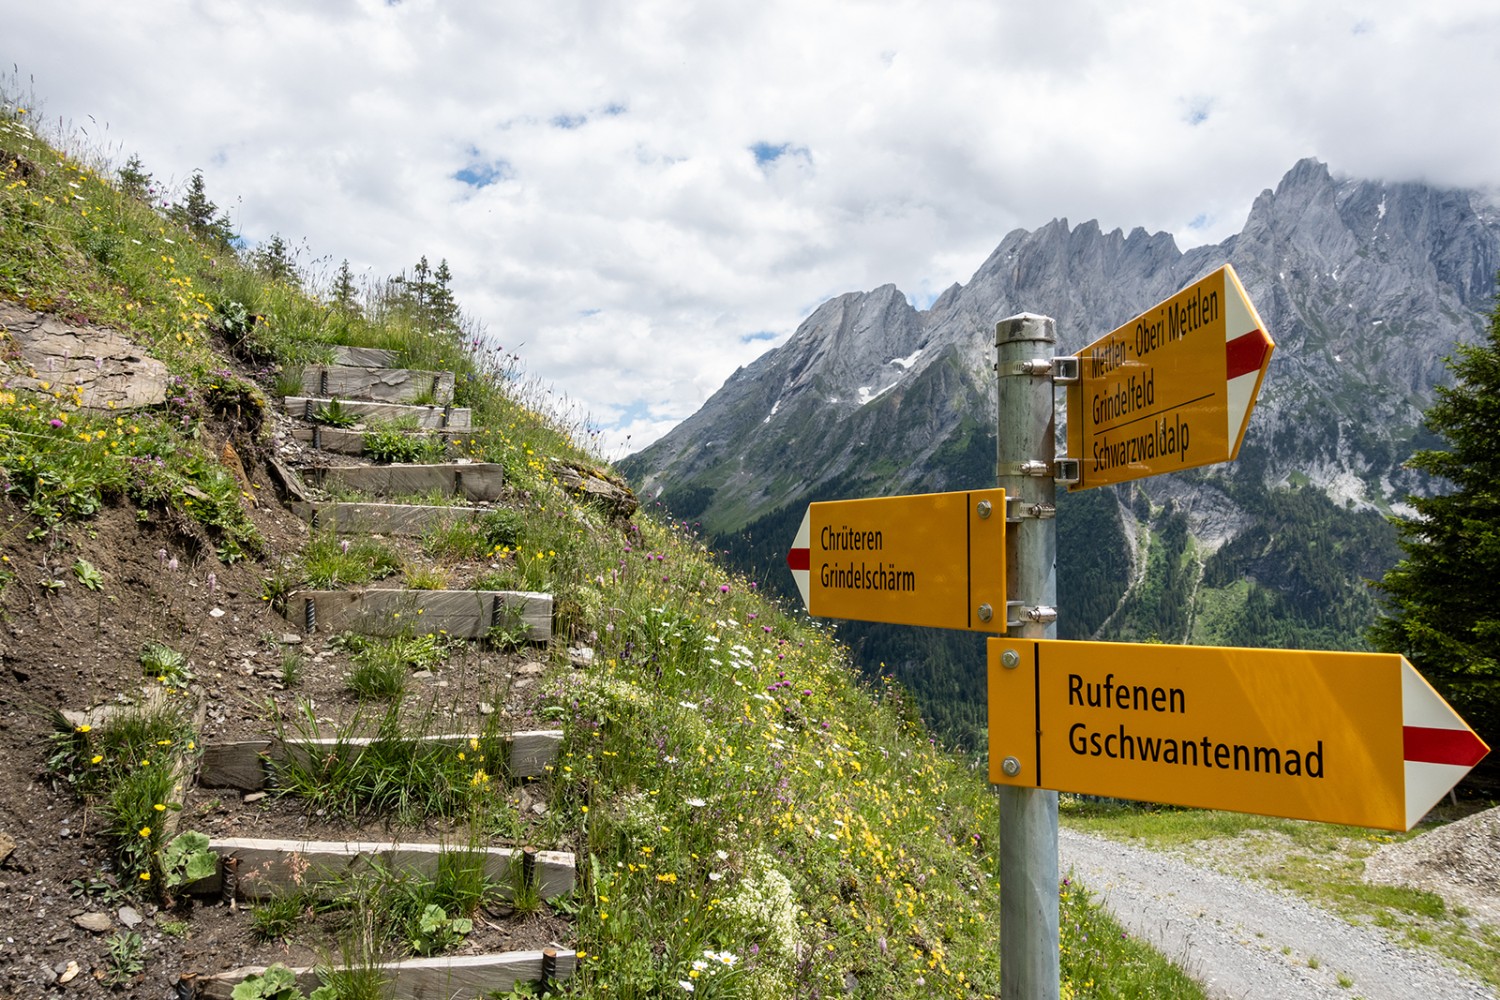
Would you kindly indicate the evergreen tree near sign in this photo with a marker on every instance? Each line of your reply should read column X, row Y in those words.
column 1443, row 614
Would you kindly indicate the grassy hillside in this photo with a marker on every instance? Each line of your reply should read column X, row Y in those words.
column 750, row 818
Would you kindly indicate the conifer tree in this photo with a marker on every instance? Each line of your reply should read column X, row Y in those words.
column 274, row 260
column 200, row 215
column 344, row 291
column 135, row 181
column 420, row 286
column 1443, row 614
column 442, row 305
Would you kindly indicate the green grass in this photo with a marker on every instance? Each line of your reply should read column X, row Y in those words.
column 750, row 815
column 1104, row 961
column 329, row 561
column 401, row 441
column 129, row 765
column 396, row 775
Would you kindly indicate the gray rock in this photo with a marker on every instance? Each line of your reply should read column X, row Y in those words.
column 99, row 923
column 109, row 371
column 130, row 916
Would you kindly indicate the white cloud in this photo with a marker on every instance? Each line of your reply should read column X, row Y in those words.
column 616, row 221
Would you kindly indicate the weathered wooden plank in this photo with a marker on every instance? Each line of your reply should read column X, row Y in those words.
column 239, row 765
column 531, row 752
column 382, row 518
column 270, row 868
column 383, row 385
column 243, row 765
column 472, row 480
column 454, row 417
column 366, row 357
column 456, row 977
column 467, row 614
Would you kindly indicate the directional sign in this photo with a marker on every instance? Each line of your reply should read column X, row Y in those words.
column 933, row 559
column 1353, row 738
column 1172, row 388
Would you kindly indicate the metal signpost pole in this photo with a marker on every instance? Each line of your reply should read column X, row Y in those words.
column 1028, row 816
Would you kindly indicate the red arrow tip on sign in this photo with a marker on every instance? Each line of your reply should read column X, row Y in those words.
column 1459, row 747
column 1246, row 353
column 799, row 559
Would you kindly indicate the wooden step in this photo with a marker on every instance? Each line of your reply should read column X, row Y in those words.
column 452, row 417
column 366, row 357
column 465, row 614
column 457, row 977
column 264, row 869
column 471, row 480
column 382, row 518
column 245, row 765
column 382, row 385
column 350, row 441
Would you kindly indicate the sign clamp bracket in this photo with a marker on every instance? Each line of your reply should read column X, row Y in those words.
column 1063, row 370
column 1031, row 614
column 1019, row 510
column 1062, row 470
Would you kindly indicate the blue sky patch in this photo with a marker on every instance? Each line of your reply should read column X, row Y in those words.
column 747, row 338
column 482, row 175
column 769, row 152
column 569, row 121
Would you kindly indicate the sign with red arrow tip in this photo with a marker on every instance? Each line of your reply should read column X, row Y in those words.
column 1353, row 738
column 935, row 559
column 1171, row 389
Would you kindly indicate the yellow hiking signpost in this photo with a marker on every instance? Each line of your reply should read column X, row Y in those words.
column 935, row 559
column 1353, row 738
column 1172, row 388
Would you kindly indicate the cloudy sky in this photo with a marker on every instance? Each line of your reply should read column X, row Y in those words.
column 641, row 196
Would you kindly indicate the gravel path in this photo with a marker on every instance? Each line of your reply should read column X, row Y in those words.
column 1229, row 934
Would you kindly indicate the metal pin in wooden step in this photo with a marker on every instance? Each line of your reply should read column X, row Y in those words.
column 528, row 868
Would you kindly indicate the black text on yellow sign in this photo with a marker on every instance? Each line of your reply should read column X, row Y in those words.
column 935, row 559
column 1352, row 738
column 1172, row 388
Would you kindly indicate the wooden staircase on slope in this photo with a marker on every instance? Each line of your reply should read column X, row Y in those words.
column 368, row 383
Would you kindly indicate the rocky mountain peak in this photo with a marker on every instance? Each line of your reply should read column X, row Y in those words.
column 1366, row 285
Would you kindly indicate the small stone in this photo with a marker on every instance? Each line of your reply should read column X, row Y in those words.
column 68, row 973
column 216, row 613
column 7, row 845
column 422, row 674
column 291, row 639
column 130, row 916
column 253, row 797
column 96, row 922
column 539, row 808
column 485, row 708
column 580, row 657
column 530, row 670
